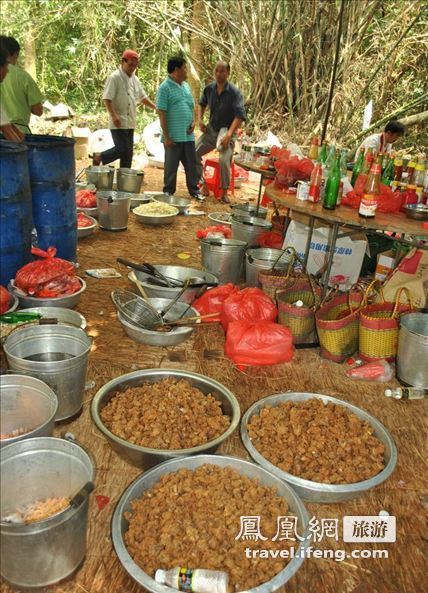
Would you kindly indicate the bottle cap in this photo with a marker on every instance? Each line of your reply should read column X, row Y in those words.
column 160, row 576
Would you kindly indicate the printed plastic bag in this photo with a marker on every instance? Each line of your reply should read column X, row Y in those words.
column 214, row 231
column 260, row 343
column 212, row 301
column 250, row 304
column 379, row 370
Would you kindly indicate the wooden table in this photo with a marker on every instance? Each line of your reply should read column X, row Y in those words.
column 350, row 221
column 264, row 174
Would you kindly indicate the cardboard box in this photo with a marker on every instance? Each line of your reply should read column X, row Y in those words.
column 385, row 265
column 81, row 135
column 348, row 258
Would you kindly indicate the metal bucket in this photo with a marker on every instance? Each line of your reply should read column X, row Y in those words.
column 55, row 354
column 249, row 210
column 15, row 210
column 129, row 180
column 26, row 403
column 223, row 258
column 412, row 356
column 43, row 553
column 249, row 229
column 101, row 177
column 262, row 259
column 113, row 210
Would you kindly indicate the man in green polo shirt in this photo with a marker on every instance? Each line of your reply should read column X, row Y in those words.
column 176, row 108
column 20, row 94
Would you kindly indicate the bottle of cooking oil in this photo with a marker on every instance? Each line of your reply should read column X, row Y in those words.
column 194, row 580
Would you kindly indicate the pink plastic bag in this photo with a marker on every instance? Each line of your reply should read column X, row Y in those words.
column 250, row 304
column 260, row 343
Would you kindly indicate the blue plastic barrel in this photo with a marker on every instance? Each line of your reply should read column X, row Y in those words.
column 52, row 176
column 15, row 210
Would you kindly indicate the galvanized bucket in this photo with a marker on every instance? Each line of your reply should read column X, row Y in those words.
column 102, row 177
column 113, row 210
column 223, row 258
column 263, row 259
column 249, row 229
column 55, row 354
column 129, row 180
column 26, row 404
column 39, row 554
column 412, row 355
column 250, row 210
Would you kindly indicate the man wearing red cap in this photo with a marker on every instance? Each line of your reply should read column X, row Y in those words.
column 122, row 93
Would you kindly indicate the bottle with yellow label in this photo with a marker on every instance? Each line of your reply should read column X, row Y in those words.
column 368, row 204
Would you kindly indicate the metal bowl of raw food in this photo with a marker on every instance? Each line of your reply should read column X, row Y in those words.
column 92, row 212
column 250, row 210
column 316, row 491
column 27, row 408
column 68, row 302
column 417, row 211
column 224, row 218
column 85, row 231
column 138, row 199
column 160, row 338
column 179, row 273
column 63, row 315
column 180, row 203
column 248, row 469
column 145, row 457
column 156, row 220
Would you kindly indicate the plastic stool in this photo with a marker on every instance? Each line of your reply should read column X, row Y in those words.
column 212, row 176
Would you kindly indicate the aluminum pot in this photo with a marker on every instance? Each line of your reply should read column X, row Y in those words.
column 179, row 273
column 63, row 315
column 55, row 354
column 315, row 491
column 67, row 302
column 250, row 210
column 43, row 553
column 145, row 457
column 113, row 210
column 129, row 180
column 26, row 403
column 224, row 258
column 249, row 229
column 149, row 479
column 101, row 176
column 412, row 355
column 263, row 259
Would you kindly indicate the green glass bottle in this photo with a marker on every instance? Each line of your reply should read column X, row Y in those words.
column 19, row 317
column 331, row 155
column 323, row 152
column 343, row 162
column 332, row 186
column 357, row 167
column 388, row 173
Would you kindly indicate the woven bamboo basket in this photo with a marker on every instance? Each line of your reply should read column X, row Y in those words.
column 299, row 319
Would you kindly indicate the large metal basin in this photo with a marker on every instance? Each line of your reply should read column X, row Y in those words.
column 179, row 273
column 245, row 468
column 67, row 302
column 315, row 491
column 146, row 457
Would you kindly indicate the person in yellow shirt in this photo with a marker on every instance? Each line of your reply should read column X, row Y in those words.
column 9, row 131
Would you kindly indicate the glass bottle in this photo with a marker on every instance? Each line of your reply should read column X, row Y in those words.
column 368, row 204
column 313, row 151
column 388, row 173
column 332, row 186
column 194, row 579
column 323, row 152
column 357, row 167
column 316, row 182
column 398, row 169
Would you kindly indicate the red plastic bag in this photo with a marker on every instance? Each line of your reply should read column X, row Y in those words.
column 212, row 301
column 32, row 277
column 379, row 370
column 279, row 153
column 389, row 201
column 219, row 228
column 271, row 239
column 291, row 170
column 250, row 304
column 4, row 300
column 260, row 343
column 86, row 198
column 351, row 199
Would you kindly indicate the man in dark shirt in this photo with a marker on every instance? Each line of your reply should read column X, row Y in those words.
column 227, row 112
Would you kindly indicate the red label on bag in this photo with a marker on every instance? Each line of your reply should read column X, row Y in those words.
column 409, row 265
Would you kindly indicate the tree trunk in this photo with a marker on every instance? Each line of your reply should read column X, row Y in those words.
column 417, row 118
column 30, row 54
column 196, row 50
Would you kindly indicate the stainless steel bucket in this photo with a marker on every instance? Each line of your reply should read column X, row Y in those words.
column 113, row 210
column 249, row 210
column 412, row 355
column 249, row 229
column 55, row 354
column 43, row 553
column 102, row 176
column 26, row 403
column 129, row 180
column 262, row 259
column 223, row 258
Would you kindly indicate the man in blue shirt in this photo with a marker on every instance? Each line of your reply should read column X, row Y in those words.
column 176, row 108
column 227, row 112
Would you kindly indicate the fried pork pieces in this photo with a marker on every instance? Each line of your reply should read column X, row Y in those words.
column 169, row 414
column 318, row 442
column 192, row 518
